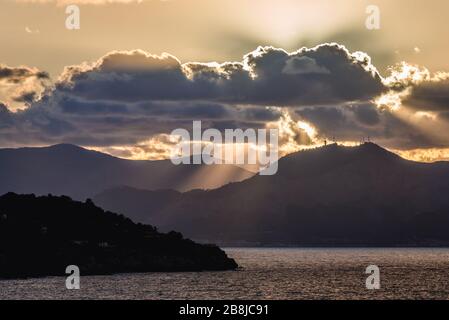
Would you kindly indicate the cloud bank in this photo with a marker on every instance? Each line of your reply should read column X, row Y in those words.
column 321, row 75
column 128, row 101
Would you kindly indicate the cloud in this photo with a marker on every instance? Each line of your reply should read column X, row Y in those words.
column 352, row 123
column 129, row 96
column 429, row 95
column 31, row 31
column 19, row 85
column 303, row 65
column 158, row 147
column 321, row 75
column 127, row 102
column 60, row 118
column 421, row 99
column 425, row 155
column 19, row 74
column 367, row 115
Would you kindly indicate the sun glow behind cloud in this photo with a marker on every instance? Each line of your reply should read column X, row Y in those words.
column 401, row 77
column 424, row 155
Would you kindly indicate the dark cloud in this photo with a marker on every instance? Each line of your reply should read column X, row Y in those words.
column 336, row 76
column 325, row 74
column 444, row 115
column 26, row 96
column 19, row 74
column 431, row 95
column 261, row 114
column 6, row 118
column 188, row 110
column 367, row 114
column 62, row 118
column 22, row 85
column 327, row 119
column 128, row 97
column 356, row 122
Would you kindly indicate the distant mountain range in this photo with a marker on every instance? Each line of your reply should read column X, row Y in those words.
column 79, row 173
column 333, row 195
column 329, row 196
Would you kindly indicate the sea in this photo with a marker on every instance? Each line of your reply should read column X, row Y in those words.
column 269, row 273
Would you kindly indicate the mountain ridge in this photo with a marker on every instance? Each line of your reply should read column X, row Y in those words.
column 71, row 170
column 333, row 195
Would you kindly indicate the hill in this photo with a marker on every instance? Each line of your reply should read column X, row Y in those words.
column 41, row 236
column 331, row 196
column 80, row 173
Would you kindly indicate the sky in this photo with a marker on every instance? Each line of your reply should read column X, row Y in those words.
column 137, row 69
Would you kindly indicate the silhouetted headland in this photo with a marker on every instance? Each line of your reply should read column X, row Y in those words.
column 41, row 236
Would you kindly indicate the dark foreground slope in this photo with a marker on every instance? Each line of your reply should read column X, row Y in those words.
column 330, row 196
column 80, row 173
column 41, row 236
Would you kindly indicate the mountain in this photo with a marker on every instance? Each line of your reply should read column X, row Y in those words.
column 331, row 196
column 73, row 171
column 41, row 236
column 139, row 205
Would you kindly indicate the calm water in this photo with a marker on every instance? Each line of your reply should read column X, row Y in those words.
column 268, row 274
